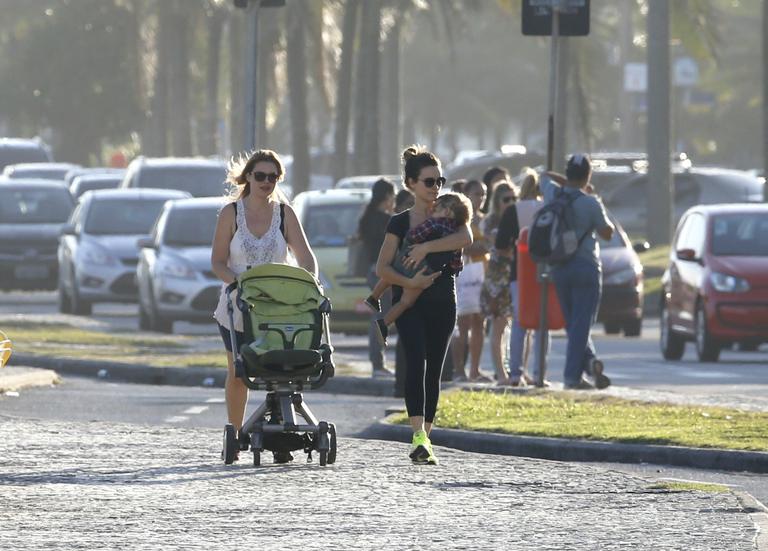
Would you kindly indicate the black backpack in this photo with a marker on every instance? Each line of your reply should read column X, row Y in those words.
column 552, row 238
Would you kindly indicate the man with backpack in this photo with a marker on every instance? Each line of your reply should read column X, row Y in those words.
column 563, row 235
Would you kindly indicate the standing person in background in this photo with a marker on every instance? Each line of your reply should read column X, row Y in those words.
column 469, row 285
column 403, row 201
column 494, row 298
column 512, row 221
column 257, row 226
column 492, row 177
column 371, row 229
column 578, row 280
column 425, row 328
column 457, row 186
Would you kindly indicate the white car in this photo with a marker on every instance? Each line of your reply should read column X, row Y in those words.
column 98, row 249
column 174, row 274
column 366, row 182
column 200, row 177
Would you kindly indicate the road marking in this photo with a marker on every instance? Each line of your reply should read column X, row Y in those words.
column 196, row 410
column 214, row 401
column 176, row 419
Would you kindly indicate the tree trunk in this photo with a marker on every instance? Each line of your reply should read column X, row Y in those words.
column 367, row 97
column 390, row 121
column 178, row 74
column 236, row 82
column 156, row 143
column 269, row 34
column 344, row 90
column 209, row 136
column 628, row 118
column 659, row 191
column 297, row 94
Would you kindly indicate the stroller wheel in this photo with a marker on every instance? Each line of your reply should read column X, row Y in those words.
column 256, row 459
column 231, row 445
column 332, row 450
column 323, row 458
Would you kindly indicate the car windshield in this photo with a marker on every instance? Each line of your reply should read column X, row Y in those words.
column 15, row 155
column 740, row 234
column 190, row 227
column 43, row 173
column 200, row 181
column 331, row 225
column 81, row 186
column 123, row 216
column 35, row 206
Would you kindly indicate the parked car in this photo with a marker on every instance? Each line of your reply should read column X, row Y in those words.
column 18, row 150
column 697, row 186
column 98, row 249
column 621, row 305
column 367, row 181
column 512, row 162
column 92, row 182
column 200, row 177
column 329, row 219
column 174, row 274
column 715, row 290
column 32, row 213
column 82, row 171
column 44, row 171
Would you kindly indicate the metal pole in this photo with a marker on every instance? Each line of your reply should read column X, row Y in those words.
column 542, row 269
column 251, row 64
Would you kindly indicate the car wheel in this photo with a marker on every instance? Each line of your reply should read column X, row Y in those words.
column 633, row 327
column 64, row 302
column 156, row 322
column 612, row 327
column 80, row 307
column 672, row 344
column 707, row 347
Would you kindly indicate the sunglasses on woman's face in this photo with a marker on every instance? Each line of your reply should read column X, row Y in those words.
column 261, row 176
column 506, row 200
column 431, row 182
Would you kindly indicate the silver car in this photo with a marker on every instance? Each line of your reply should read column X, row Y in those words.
column 98, row 249
column 174, row 274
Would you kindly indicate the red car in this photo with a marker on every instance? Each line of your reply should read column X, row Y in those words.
column 715, row 290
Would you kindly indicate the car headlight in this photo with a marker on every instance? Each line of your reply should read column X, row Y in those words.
column 725, row 283
column 324, row 281
column 622, row 277
column 177, row 269
column 94, row 254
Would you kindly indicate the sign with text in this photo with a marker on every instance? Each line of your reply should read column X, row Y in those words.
column 537, row 17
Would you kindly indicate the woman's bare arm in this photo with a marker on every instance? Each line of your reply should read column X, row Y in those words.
column 460, row 239
column 220, row 250
column 297, row 241
column 385, row 271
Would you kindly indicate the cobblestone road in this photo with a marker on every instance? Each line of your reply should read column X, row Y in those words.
column 103, row 486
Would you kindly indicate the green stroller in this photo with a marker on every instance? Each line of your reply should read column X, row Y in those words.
column 285, row 318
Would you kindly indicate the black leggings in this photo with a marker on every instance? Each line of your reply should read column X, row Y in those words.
column 425, row 330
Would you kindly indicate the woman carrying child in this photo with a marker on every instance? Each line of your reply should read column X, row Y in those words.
column 426, row 327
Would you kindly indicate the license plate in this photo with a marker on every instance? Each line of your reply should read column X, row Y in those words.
column 31, row 272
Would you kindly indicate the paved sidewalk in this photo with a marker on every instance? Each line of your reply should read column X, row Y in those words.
column 96, row 485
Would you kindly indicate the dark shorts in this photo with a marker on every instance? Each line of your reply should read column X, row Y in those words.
column 225, row 336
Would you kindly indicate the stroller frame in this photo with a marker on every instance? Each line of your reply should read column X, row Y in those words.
column 275, row 425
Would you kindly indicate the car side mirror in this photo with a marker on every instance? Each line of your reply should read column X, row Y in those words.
column 68, row 229
column 146, row 243
column 687, row 254
column 641, row 246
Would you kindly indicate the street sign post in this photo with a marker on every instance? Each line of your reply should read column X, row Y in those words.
column 538, row 17
column 553, row 18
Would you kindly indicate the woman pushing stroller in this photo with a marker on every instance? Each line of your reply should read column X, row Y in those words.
column 257, row 226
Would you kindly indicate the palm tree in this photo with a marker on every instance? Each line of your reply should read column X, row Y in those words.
column 344, row 88
column 297, row 92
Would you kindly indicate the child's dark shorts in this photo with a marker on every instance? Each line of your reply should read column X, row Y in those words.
column 225, row 336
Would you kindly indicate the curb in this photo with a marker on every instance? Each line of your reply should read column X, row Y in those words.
column 562, row 449
column 185, row 376
column 759, row 514
column 16, row 378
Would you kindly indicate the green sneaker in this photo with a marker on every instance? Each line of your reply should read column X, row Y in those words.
column 421, row 449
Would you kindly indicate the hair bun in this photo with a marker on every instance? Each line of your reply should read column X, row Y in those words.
column 410, row 152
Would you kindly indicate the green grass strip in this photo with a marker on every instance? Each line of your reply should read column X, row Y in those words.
column 678, row 486
column 602, row 417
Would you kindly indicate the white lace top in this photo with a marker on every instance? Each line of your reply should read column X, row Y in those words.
column 246, row 251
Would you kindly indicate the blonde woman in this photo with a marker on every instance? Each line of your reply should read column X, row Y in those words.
column 494, row 298
column 257, row 226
